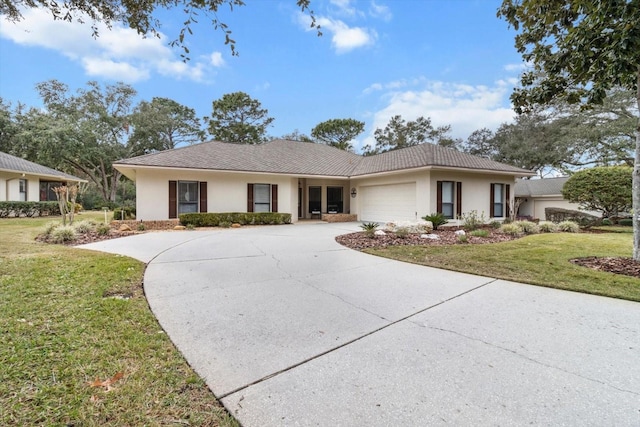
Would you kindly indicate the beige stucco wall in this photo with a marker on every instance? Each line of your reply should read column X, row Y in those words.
column 226, row 192
column 10, row 187
column 535, row 206
column 421, row 180
column 476, row 189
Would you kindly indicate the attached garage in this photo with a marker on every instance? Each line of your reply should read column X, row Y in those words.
column 384, row 203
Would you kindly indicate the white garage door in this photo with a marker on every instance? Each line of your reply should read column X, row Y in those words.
column 384, row 203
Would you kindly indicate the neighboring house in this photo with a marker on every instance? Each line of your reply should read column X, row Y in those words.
column 25, row 181
column 307, row 179
column 539, row 194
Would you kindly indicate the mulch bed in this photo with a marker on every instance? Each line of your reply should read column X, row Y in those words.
column 359, row 241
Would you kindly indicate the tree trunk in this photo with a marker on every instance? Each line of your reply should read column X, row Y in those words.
column 636, row 184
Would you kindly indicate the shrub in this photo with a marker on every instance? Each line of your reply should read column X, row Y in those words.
column 224, row 224
column 84, row 227
column 462, row 238
column 437, row 219
column 103, row 229
column 64, row 233
column 528, row 227
column 213, row 219
column 495, row 224
column 569, row 227
column 28, row 209
column 48, row 229
column 124, row 212
column 548, row 227
column 607, row 221
column 479, row 233
column 402, row 232
column 369, row 229
column 471, row 220
column 141, row 226
column 511, row 229
column 627, row 222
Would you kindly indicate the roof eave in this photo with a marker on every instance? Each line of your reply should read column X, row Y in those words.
column 45, row 175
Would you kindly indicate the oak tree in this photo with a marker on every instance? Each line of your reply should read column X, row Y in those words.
column 578, row 51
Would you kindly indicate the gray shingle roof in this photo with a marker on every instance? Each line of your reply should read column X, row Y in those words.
column 540, row 187
column 429, row 155
column 304, row 158
column 11, row 163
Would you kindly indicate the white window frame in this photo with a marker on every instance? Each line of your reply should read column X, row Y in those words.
column 188, row 201
column 262, row 197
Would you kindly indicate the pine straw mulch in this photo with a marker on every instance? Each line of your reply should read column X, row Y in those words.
column 359, row 241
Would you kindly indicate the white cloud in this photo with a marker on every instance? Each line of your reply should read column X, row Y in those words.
column 345, row 38
column 380, row 11
column 216, row 59
column 118, row 54
column 515, row 67
column 465, row 107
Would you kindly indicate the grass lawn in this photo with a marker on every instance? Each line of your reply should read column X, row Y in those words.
column 62, row 326
column 541, row 259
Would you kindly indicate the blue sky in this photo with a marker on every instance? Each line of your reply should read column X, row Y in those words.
column 452, row 61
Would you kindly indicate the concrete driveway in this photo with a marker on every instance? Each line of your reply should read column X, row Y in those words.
column 289, row 328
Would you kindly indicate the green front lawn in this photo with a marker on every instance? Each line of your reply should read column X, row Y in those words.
column 69, row 317
column 541, row 259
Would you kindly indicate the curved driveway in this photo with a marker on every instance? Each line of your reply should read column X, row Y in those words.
column 289, row 328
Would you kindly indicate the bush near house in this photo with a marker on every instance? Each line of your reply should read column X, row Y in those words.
column 28, row 209
column 214, row 219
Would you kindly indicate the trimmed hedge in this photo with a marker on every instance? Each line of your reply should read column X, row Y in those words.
column 28, row 209
column 627, row 222
column 128, row 211
column 214, row 219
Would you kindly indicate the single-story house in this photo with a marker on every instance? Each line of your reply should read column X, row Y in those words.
column 25, row 181
column 308, row 179
column 538, row 194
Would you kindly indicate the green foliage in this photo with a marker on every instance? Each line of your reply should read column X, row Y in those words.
column 63, row 233
column 495, row 224
column 369, row 229
column 338, row 132
column 236, row 117
column 215, row 219
column 511, row 229
column 527, row 227
column 141, row 226
column 28, row 209
column 606, row 221
column 462, row 238
column 479, row 233
column 548, row 227
column 436, row 219
column 569, row 227
column 224, row 224
column 103, row 229
column 604, row 189
column 164, row 124
column 123, row 213
column 399, row 133
column 85, row 226
column 626, row 222
column 473, row 221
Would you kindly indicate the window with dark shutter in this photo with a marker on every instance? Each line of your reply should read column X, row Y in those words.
column 203, row 197
column 249, row 197
column 274, row 198
column 173, row 199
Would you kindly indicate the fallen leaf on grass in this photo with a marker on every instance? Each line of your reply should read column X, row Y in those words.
column 106, row 383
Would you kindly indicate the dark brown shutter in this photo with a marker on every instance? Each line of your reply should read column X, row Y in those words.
column 173, row 199
column 274, row 197
column 491, row 195
column 203, row 196
column 439, row 197
column 249, row 197
column 459, row 199
column 507, row 198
